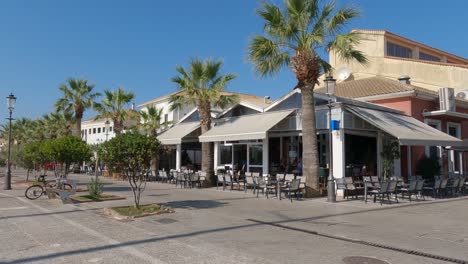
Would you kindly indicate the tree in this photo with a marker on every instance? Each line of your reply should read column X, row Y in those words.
column 112, row 106
column 202, row 85
column 131, row 154
column 77, row 97
column 66, row 150
column 31, row 157
column 390, row 152
column 293, row 35
column 152, row 123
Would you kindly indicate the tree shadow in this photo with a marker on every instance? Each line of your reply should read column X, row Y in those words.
column 194, row 204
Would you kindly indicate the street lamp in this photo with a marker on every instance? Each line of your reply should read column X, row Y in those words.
column 11, row 99
column 330, row 84
column 107, row 129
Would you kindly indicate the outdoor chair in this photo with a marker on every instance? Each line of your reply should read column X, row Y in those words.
column 293, row 187
column 443, row 188
column 461, row 185
column 261, row 184
column 342, row 184
column 411, row 189
column 434, row 189
column 229, row 180
column 180, row 179
column 220, row 180
column 375, row 182
column 452, row 186
column 387, row 188
column 249, row 182
column 419, row 188
column 194, row 179
column 202, row 177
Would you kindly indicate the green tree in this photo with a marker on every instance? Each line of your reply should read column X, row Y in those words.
column 293, row 36
column 112, row 106
column 202, row 85
column 77, row 97
column 131, row 154
column 390, row 152
column 66, row 150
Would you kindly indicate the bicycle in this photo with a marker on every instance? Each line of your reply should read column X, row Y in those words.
column 37, row 190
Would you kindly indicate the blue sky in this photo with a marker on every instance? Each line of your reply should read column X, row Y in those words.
column 137, row 44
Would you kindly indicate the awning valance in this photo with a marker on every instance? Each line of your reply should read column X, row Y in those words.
column 247, row 127
column 176, row 133
column 406, row 129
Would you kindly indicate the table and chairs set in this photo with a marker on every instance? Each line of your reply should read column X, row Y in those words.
column 184, row 178
column 395, row 187
column 288, row 184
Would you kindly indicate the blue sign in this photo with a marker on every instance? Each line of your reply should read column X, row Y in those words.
column 335, row 125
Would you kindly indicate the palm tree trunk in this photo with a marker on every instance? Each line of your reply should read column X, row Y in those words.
column 207, row 147
column 309, row 142
column 78, row 127
column 118, row 127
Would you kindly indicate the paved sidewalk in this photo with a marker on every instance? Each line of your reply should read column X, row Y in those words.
column 212, row 226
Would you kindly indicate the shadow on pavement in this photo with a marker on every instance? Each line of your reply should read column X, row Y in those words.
column 194, row 204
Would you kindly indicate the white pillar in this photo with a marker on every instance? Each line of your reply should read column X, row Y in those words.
column 379, row 150
column 178, row 156
column 216, row 156
column 338, row 145
column 265, row 156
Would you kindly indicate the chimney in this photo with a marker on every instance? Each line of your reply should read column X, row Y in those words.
column 133, row 106
column 404, row 79
column 265, row 99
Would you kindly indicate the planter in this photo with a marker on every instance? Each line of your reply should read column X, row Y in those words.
column 113, row 212
column 105, row 173
column 116, row 175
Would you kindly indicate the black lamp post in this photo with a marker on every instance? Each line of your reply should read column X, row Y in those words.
column 11, row 99
column 330, row 84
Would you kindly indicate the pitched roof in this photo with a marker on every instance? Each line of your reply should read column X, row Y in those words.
column 255, row 101
column 374, row 86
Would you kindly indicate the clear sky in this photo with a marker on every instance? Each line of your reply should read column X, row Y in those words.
column 137, row 44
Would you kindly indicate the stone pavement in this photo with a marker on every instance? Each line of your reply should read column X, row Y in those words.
column 212, row 226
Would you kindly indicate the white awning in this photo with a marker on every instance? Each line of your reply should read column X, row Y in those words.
column 406, row 129
column 176, row 133
column 245, row 127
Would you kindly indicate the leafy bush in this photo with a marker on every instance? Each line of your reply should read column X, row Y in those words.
column 428, row 168
column 95, row 188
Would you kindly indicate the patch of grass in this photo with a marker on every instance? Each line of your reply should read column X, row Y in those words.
column 90, row 198
column 132, row 211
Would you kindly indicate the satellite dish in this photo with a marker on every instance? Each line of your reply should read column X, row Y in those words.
column 463, row 94
column 343, row 73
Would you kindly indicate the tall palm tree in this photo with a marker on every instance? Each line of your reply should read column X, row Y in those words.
column 152, row 120
column 293, row 36
column 77, row 97
column 152, row 124
column 202, row 85
column 112, row 106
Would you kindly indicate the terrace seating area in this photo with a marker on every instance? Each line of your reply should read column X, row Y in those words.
column 395, row 188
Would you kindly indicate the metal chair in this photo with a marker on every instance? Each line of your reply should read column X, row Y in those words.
column 293, row 187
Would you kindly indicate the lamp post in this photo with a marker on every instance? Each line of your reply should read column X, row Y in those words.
column 330, row 84
column 107, row 129
column 11, row 99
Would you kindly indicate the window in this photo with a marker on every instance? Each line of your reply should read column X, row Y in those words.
column 94, row 130
column 110, row 129
column 454, row 130
column 255, row 155
column 104, row 130
column 89, row 131
column 398, row 51
column 427, row 57
column 225, row 154
column 166, row 117
column 99, row 130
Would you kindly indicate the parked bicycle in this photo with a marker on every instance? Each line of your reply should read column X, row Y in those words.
column 37, row 190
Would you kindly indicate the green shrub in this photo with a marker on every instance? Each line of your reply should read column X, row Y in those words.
column 95, row 188
column 428, row 168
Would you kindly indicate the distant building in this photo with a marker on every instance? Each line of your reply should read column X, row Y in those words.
column 391, row 56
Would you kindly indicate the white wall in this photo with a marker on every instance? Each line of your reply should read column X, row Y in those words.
column 96, row 138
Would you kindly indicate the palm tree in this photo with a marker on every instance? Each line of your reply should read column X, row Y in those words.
column 202, row 85
column 293, row 36
column 151, row 120
column 112, row 106
column 151, row 123
column 77, row 97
